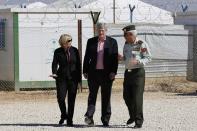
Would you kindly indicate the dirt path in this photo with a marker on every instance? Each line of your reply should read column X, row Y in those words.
column 39, row 111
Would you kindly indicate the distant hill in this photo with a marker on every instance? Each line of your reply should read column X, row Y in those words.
column 174, row 5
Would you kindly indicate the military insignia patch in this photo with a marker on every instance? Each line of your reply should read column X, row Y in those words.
column 143, row 49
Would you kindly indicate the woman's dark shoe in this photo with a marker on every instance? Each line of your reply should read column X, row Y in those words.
column 130, row 121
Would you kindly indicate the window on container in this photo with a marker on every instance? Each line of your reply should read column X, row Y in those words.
column 2, row 33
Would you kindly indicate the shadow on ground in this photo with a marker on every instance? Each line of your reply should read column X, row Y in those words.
column 188, row 94
column 64, row 125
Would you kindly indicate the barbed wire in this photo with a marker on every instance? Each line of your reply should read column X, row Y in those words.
column 145, row 10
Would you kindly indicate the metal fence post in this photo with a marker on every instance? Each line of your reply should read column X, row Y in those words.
column 95, row 17
column 80, row 43
column 195, row 55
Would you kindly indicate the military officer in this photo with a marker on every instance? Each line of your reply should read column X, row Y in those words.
column 135, row 54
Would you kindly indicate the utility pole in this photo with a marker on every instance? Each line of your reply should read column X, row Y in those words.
column 80, row 44
column 114, row 11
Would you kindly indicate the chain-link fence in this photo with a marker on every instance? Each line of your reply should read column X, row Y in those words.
column 32, row 36
column 36, row 46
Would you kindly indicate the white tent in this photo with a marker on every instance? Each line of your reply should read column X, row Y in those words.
column 37, row 5
column 23, row 5
column 70, row 3
column 143, row 12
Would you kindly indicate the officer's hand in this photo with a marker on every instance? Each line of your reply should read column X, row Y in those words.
column 112, row 76
column 134, row 62
column 85, row 75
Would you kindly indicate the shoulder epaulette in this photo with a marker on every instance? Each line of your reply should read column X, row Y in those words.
column 140, row 42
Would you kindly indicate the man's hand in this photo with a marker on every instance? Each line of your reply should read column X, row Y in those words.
column 85, row 75
column 112, row 76
column 120, row 57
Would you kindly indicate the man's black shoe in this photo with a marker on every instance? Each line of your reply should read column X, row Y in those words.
column 105, row 124
column 137, row 126
column 61, row 121
column 89, row 121
column 69, row 123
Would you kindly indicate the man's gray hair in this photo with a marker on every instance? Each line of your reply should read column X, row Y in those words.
column 134, row 32
column 101, row 26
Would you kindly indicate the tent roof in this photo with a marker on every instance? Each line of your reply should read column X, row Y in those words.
column 49, row 10
column 70, row 3
column 37, row 5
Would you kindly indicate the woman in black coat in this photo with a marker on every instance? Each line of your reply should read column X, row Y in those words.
column 66, row 69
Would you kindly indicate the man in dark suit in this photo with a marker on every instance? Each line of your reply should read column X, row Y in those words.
column 66, row 69
column 99, row 68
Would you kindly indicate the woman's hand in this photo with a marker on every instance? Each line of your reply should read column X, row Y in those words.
column 54, row 76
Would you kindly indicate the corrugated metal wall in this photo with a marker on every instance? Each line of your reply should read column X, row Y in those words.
column 173, row 58
column 161, row 68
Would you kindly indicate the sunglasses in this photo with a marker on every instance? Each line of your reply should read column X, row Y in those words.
column 69, row 40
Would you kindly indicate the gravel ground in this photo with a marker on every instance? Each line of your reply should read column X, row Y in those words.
column 39, row 111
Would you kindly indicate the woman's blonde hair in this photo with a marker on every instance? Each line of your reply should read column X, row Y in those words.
column 64, row 38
